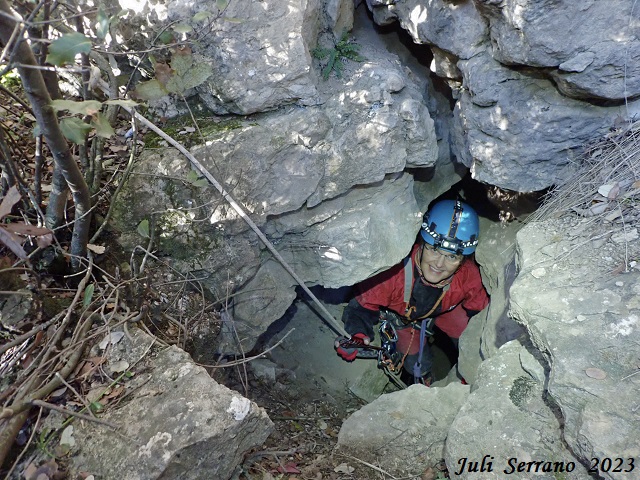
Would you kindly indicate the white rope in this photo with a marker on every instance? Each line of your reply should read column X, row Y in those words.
column 239, row 210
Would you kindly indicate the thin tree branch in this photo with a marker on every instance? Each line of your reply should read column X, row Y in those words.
column 50, row 406
column 47, row 120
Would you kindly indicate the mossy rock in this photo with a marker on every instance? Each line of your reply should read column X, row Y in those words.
column 521, row 390
column 183, row 130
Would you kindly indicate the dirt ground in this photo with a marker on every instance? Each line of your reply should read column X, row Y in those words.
column 312, row 393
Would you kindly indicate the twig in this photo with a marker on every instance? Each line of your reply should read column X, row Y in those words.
column 81, row 416
column 157, row 339
column 631, row 375
column 378, row 469
column 152, row 230
column 272, row 453
column 248, row 359
column 29, row 334
column 78, row 396
column 300, row 419
column 23, row 403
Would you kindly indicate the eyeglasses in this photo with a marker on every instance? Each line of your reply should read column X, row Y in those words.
column 449, row 258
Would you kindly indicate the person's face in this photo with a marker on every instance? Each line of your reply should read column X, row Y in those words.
column 438, row 265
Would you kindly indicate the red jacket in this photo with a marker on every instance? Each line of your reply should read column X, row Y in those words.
column 465, row 293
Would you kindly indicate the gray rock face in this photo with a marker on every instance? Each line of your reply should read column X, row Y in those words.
column 338, row 242
column 455, row 27
column 160, row 193
column 493, row 327
column 515, row 137
column 586, row 322
column 178, row 424
column 506, row 421
column 274, row 163
column 331, row 245
column 515, row 127
column 335, row 242
column 591, row 48
column 325, row 184
column 403, row 432
column 257, row 65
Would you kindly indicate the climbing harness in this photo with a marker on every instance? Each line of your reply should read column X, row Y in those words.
column 390, row 360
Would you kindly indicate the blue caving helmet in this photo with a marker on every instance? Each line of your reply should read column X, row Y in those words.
column 451, row 225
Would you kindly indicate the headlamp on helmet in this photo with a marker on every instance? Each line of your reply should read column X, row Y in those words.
column 451, row 225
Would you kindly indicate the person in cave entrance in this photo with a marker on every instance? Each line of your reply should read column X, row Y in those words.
column 436, row 289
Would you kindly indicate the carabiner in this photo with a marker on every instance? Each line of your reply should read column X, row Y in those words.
column 387, row 332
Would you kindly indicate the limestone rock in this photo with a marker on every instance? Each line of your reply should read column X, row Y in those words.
column 454, row 27
column 179, row 423
column 341, row 241
column 583, row 320
column 510, row 127
column 590, row 47
column 256, row 64
column 506, row 417
column 403, row 432
column 158, row 191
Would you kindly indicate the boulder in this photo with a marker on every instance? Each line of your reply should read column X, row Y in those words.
column 580, row 307
column 590, row 48
column 506, row 421
column 527, row 98
column 511, row 127
column 256, row 65
column 403, row 432
column 454, row 27
column 176, row 423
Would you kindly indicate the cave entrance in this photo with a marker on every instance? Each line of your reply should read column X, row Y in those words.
column 307, row 353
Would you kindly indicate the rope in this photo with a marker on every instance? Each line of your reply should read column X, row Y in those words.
column 239, row 210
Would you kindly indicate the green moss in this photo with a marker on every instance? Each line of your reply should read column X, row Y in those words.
column 182, row 129
column 182, row 239
column 521, row 390
column 52, row 306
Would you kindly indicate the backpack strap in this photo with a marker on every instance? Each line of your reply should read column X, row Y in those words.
column 408, row 281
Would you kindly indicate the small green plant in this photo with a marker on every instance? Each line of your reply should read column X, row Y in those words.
column 336, row 56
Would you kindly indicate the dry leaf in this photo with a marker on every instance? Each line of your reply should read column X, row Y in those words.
column 428, row 474
column 597, row 208
column 344, row 468
column 289, row 467
column 66, row 438
column 58, row 392
column 112, row 338
column 8, row 201
column 95, row 394
column 99, row 249
column 24, row 229
column 115, row 392
column 119, row 366
column 610, row 191
column 118, row 148
column 596, row 373
column 44, row 241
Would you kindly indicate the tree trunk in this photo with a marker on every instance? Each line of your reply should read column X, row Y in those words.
column 40, row 100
